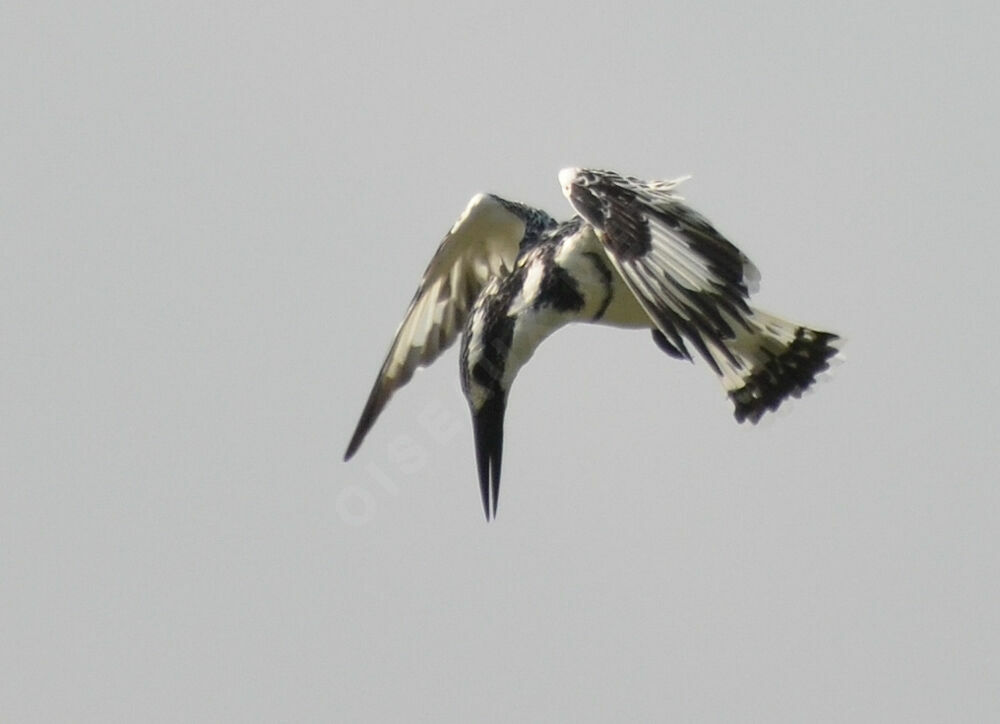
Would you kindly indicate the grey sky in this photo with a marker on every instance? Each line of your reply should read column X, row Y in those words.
column 212, row 219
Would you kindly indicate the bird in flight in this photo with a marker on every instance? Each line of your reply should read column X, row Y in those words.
column 633, row 255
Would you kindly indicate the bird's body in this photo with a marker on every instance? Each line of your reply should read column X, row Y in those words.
column 565, row 277
column 507, row 276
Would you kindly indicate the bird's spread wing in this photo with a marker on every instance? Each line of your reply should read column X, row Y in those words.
column 482, row 243
column 691, row 281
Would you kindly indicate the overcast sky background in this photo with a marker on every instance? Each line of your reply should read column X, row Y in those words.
column 213, row 217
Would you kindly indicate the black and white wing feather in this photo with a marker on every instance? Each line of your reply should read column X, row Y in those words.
column 692, row 282
column 483, row 242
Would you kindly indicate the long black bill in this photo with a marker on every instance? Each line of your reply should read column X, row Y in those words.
column 487, row 423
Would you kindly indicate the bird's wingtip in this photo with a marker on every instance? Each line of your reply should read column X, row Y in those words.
column 356, row 439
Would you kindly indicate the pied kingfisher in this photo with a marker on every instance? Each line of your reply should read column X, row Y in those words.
column 634, row 255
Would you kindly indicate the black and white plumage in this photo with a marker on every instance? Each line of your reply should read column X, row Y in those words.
column 634, row 255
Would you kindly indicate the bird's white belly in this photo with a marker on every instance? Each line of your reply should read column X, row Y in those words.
column 584, row 257
column 624, row 309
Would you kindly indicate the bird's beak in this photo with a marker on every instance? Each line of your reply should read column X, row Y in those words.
column 487, row 423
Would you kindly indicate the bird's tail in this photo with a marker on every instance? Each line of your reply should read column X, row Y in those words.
column 770, row 360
